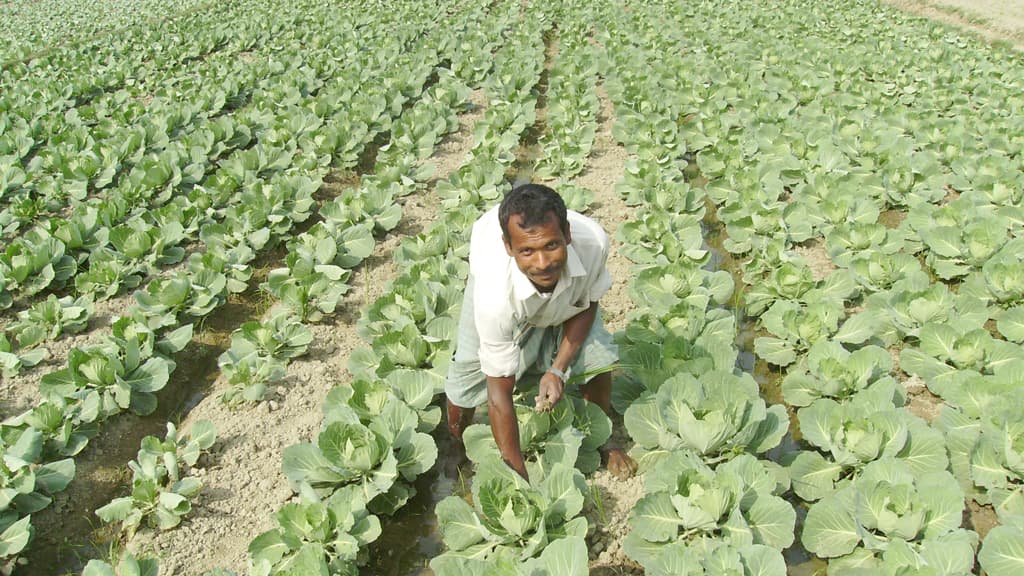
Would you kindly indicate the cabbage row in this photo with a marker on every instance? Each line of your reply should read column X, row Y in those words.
column 383, row 418
column 33, row 27
column 510, row 526
column 189, row 186
column 188, row 147
column 73, row 119
column 125, row 371
column 900, row 166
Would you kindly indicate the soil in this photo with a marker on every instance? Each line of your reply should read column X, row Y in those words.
column 814, row 254
column 618, row 497
column 991, row 19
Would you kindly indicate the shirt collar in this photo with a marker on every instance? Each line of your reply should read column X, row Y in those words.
column 522, row 288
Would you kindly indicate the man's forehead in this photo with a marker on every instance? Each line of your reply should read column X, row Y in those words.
column 516, row 220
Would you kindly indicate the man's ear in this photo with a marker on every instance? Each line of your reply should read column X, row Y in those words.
column 508, row 245
column 568, row 234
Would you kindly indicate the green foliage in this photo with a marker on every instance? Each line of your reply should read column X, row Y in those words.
column 830, row 371
column 511, row 521
column 864, row 428
column 569, row 434
column 1002, row 552
column 161, row 491
column 13, row 360
column 48, row 319
column 691, row 514
column 371, row 439
column 28, row 479
column 983, row 434
column 717, row 416
column 106, row 380
column 894, row 515
column 126, row 565
column 317, row 537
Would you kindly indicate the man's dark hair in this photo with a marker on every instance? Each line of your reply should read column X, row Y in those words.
column 533, row 203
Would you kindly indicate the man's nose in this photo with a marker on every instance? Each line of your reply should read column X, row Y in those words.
column 543, row 260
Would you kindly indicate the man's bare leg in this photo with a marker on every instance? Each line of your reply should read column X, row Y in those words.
column 599, row 391
column 458, row 419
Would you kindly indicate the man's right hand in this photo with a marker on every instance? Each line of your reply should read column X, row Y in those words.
column 549, row 392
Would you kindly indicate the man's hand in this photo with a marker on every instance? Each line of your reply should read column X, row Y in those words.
column 504, row 425
column 550, row 392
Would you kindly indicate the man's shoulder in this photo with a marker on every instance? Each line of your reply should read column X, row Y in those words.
column 587, row 231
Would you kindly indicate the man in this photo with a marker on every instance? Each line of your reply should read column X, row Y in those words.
column 536, row 273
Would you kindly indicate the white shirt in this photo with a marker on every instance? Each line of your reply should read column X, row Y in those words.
column 506, row 303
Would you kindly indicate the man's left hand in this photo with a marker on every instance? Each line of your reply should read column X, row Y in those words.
column 550, row 392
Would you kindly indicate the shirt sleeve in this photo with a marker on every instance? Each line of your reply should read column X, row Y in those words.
column 499, row 352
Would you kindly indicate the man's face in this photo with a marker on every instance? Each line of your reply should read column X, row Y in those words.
column 539, row 251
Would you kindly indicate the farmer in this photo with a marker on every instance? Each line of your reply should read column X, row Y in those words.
column 536, row 272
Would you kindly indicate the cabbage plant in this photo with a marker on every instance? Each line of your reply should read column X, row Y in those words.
column 1000, row 280
column 103, row 382
column 947, row 349
column 959, row 237
column 28, row 479
column 161, row 490
column 512, row 522
column 313, row 537
column 282, row 337
column 126, row 565
column 790, row 279
column 12, row 360
column 831, row 371
column 1001, row 553
column 852, row 434
column 985, row 437
column 314, row 278
column 876, row 270
column 369, row 439
column 794, row 327
column 692, row 515
column 107, row 273
column 570, row 433
column 663, row 288
column 890, row 518
column 913, row 301
column 32, row 263
column 48, row 319
column 190, row 293
column 717, row 416
column 658, row 237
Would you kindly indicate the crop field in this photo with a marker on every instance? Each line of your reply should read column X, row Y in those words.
column 234, row 246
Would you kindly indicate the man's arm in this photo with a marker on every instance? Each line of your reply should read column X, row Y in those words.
column 504, row 424
column 574, row 332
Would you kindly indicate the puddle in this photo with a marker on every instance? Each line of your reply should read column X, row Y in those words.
column 410, row 538
column 799, row 562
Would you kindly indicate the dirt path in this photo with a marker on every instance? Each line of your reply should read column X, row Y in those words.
column 990, row 19
column 616, row 498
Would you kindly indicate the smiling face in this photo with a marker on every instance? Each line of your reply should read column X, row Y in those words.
column 540, row 251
